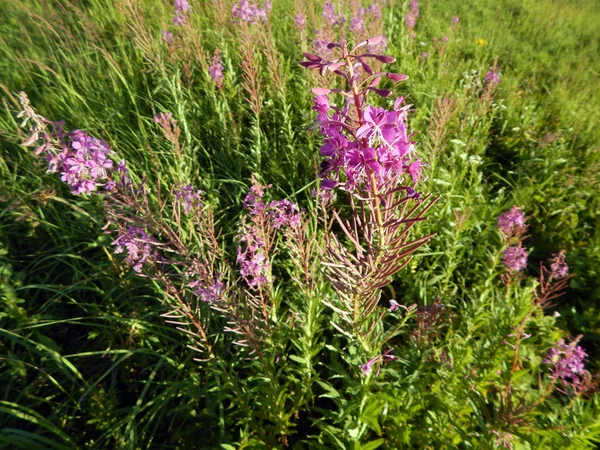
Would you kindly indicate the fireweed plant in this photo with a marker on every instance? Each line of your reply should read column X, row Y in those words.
column 369, row 155
column 285, row 313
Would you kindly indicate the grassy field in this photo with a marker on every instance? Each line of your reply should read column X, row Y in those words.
column 86, row 358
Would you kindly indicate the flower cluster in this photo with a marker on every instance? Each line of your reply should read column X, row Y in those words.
column 249, row 12
column 182, row 8
column 300, row 21
column 511, row 222
column 212, row 292
column 558, row 267
column 264, row 217
column 210, row 288
column 567, row 363
column 411, row 17
column 284, row 213
column 375, row 147
column 167, row 37
column 337, row 25
column 492, row 77
column 84, row 162
column 215, row 69
column 512, row 225
column 331, row 17
column 189, row 197
column 138, row 245
column 515, row 258
column 252, row 258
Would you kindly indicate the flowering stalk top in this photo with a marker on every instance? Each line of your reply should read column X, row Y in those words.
column 366, row 149
column 567, row 363
column 511, row 222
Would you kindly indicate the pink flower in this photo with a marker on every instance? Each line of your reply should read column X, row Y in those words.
column 511, row 221
column 515, row 258
column 300, row 21
column 216, row 68
column 559, row 268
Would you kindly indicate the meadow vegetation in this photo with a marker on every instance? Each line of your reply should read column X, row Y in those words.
column 197, row 249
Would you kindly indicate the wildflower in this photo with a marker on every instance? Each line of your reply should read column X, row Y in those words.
column 455, row 20
column 252, row 258
column 492, row 77
column 300, row 20
column 394, row 306
column 373, row 10
column 138, row 245
column 568, row 363
column 367, row 367
column 216, row 68
column 178, row 19
column 515, row 258
column 284, row 213
column 481, row 42
column 410, row 20
column 247, row 11
column 189, row 197
column 83, row 162
column 414, row 8
column 445, row 39
column 379, row 124
column 559, row 268
column 167, row 37
column 211, row 293
column 181, row 6
column 357, row 22
column 425, row 55
column 511, row 221
column 380, row 146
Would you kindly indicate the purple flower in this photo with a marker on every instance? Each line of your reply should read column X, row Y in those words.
column 246, row 11
column 138, row 246
column 568, row 363
column 329, row 13
column 189, row 197
column 207, row 291
column 410, row 20
column 357, row 22
column 414, row 8
column 181, row 6
column 367, row 367
column 492, row 77
column 252, row 259
column 380, row 124
column 425, row 55
column 445, row 39
column 559, row 268
column 167, row 37
column 515, row 258
column 178, row 19
column 284, row 213
column 511, row 221
column 374, row 11
column 216, row 68
column 394, row 306
column 300, row 20
column 455, row 20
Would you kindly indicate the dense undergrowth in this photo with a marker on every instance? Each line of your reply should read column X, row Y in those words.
column 86, row 358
